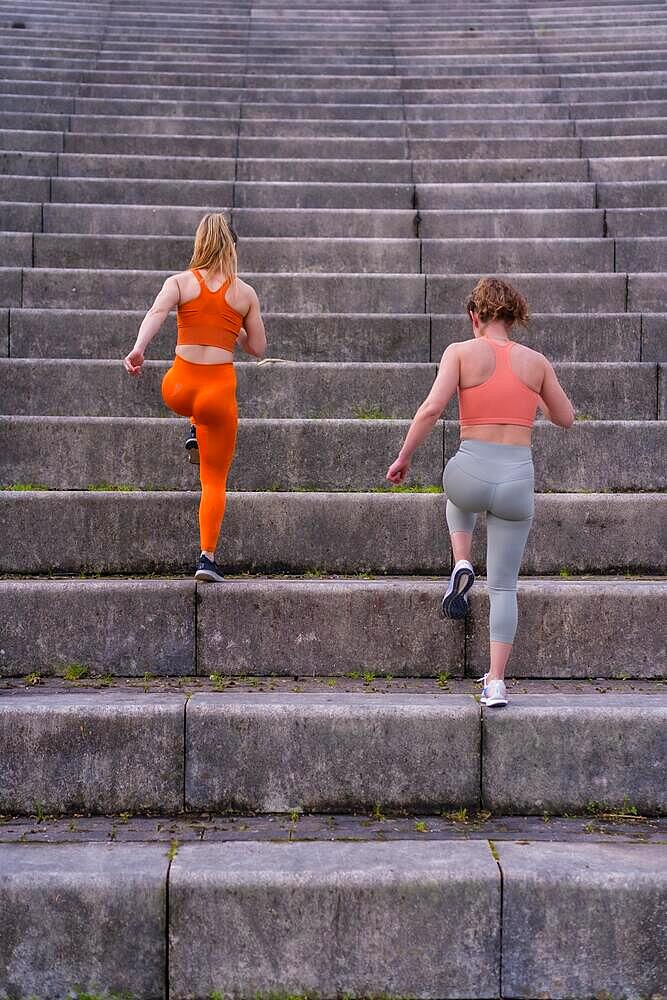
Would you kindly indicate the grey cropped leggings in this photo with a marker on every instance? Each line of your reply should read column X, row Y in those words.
column 498, row 479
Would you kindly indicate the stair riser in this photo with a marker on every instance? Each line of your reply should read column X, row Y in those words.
column 70, row 454
column 102, row 389
column 566, row 629
column 36, row 333
column 329, row 753
column 295, row 532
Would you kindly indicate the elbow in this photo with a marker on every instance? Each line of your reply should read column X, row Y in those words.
column 430, row 412
column 567, row 421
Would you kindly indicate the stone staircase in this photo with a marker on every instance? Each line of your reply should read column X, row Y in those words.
column 283, row 786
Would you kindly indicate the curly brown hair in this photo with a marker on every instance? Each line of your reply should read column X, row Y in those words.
column 493, row 299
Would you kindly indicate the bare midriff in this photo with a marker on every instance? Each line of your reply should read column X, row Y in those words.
column 498, row 433
column 202, row 354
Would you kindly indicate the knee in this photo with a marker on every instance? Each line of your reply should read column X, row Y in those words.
column 503, row 614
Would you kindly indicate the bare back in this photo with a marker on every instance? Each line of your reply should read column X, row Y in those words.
column 240, row 296
column 478, row 361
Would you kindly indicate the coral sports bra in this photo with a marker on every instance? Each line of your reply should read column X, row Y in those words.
column 209, row 319
column 502, row 399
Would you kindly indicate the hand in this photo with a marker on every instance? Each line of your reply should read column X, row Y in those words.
column 133, row 362
column 397, row 472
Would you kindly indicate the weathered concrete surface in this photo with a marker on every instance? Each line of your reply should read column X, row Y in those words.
column 331, row 533
column 10, row 286
column 580, row 337
column 287, row 390
column 631, row 194
column 570, row 628
column 490, row 254
column 328, row 627
column 313, row 194
column 561, row 754
column 552, row 293
column 93, row 333
column 584, row 920
column 4, row 333
column 361, row 919
column 90, row 917
column 321, row 454
column 512, row 223
column 310, row 254
column 142, row 191
column 654, row 337
column 594, row 455
column 67, row 453
column 313, row 390
column 507, row 195
column 270, row 752
column 301, row 293
column 85, row 752
column 646, row 292
column 131, row 627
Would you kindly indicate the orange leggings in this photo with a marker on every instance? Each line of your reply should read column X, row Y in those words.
column 207, row 395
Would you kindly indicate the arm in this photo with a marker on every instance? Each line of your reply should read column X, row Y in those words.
column 252, row 339
column 428, row 413
column 553, row 401
column 167, row 298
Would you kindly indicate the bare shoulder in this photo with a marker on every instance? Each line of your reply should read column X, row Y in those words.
column 185, row 280
column 241, row 296
column 245, row 288
column 529, row 351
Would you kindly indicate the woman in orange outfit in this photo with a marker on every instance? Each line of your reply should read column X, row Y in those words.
column 216, row 312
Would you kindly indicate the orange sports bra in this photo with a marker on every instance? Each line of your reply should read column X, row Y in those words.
column 502, row 399
column 209, row 319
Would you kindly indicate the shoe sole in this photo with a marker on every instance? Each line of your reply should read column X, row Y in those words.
column 496, row 703
column 208, row 576
column 455, row 605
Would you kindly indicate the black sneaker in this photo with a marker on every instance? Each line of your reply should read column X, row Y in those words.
column 208, row 571
column 192, row 447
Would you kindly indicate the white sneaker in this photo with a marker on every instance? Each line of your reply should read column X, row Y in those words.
column 455, row 602
column 494, row 693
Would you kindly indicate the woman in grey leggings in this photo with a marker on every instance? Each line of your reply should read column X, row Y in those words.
column 500, row 385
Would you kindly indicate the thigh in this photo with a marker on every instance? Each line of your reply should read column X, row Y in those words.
column 214, row 403
column 505, row 544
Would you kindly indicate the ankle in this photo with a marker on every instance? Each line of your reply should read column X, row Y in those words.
column 209, row 555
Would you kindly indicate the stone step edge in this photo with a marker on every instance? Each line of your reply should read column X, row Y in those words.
column 180, row 908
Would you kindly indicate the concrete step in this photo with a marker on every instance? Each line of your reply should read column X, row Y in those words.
column 305, row 293
column 511, row 223
column 451, row 889
column 167, row 220
column 599, row 391
column 88, row 333
column 636, row 222
column 312, row 293
column 557, row 292
column 305, row 255
column 508, row 195
column 462, row 255
column 322, row 532
column 167, row 747
column 67, row 453
column 334, row 254
column 620, row 127
column 580, row 616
